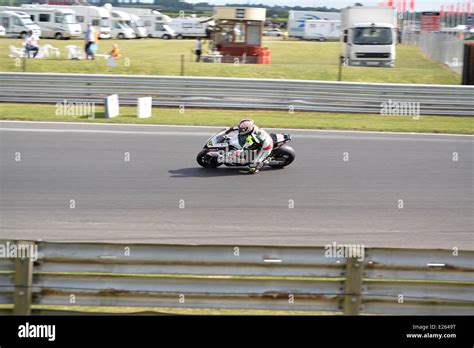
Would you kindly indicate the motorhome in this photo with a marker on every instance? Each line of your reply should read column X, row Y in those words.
column 322, row 30
column 120, row 27
column 156, row 23
column 18, row 24
column 54, row 22
column 98, row 16
column 369, row 35
column 137, row 24
column 297, row 20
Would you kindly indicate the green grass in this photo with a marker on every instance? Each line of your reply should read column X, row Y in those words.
column 290, row 60
column 270, row 119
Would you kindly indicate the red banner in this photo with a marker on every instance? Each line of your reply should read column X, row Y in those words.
column 430, row 21
column 441, row 13
column 412, row 5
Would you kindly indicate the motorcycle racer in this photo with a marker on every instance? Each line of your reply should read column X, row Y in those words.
column 252, row 137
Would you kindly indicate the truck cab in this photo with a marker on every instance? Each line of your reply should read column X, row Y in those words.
column 370, row 44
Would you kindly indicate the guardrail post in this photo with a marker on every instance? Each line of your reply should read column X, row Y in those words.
column 341, row 63
column 23, row 279
column 353, row 286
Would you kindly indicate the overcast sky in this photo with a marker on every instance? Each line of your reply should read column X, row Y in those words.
column 420, row 4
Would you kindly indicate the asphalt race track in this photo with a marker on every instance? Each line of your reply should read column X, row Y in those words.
column 355, row 201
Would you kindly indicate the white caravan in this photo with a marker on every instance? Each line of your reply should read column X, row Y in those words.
column 156, row 23
column 369, row 35
column 322, row 30
column 54, row 22
column 2, row 31
column 18, row 24
column 189, row 27
column 98, row 16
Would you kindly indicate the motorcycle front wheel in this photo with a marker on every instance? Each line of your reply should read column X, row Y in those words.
column 207, row 161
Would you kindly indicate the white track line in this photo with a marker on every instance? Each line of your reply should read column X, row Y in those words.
column 220, row 127
column 206, row 134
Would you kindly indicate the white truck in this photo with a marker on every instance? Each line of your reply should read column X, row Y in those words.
column 322, row 30
column 297, row 20
column 156, row 23
column 189, row 27
column 54, row 23
column 18, row 24
column 98, row 16
column 369, row 35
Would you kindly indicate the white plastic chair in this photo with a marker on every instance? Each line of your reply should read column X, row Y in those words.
column 74, row 52
column 16, row 52
column 49, row 51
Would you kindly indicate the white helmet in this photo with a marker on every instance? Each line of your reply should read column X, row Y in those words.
column 246, row 126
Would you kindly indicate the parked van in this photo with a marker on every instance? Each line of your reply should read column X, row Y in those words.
column 98, row 16
column 189, row 27
column 54, row 22
column 18, row 24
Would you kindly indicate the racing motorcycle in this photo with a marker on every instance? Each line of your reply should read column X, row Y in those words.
column 226, row 148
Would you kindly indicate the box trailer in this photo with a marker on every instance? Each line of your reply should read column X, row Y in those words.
column 297, row 20
column 322, row 30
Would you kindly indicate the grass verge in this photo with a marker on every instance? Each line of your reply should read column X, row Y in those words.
column 268, row 119
column 290, row 59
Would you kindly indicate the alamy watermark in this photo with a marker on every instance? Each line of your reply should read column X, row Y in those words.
column 10, row 250
column 75, row 109
column 338, row 251
column 400, row 108
column 237, row 156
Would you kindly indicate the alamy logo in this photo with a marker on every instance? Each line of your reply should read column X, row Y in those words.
column 19, row 251
column 37, row 331
column 400, row 108
column 338, row 251
column 76, row 109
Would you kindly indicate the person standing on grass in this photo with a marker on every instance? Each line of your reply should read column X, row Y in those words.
column 90, row 38
column 198, row 49
column 31, row 44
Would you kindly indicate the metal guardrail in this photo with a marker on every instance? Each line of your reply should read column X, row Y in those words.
column 69, row 276
column 214, row 92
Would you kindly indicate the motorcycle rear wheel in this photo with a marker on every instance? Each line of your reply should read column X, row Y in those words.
column 286, row 154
